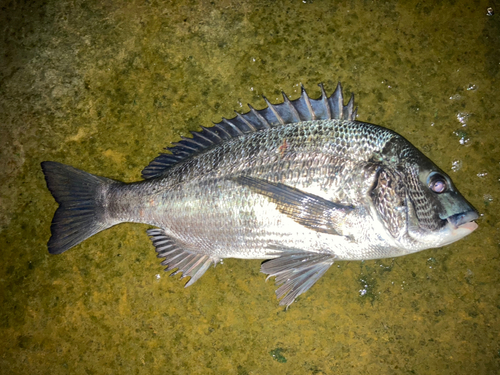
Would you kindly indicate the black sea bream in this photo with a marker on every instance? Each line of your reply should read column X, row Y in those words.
column 301, row 183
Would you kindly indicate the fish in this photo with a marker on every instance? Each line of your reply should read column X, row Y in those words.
column 300, row 185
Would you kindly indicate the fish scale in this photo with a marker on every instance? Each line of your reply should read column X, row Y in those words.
column 300, row 184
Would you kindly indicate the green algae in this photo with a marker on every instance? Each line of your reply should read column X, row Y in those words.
column 105, row 86
column 277, row 355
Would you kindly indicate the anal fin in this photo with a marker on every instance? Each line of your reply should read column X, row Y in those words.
column 296, row 272
column 188, row 263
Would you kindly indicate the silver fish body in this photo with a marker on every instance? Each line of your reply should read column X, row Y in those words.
column 300, row 183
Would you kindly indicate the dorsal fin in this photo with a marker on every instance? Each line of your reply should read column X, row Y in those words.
column 288, row 112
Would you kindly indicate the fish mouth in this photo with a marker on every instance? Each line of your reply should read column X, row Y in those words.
column 458, row 226
column 454, row 228
column 464, row 220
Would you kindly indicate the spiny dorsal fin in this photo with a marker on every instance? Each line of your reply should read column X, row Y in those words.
column 288, row 112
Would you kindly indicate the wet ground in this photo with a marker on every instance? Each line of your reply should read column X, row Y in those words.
column 104, row 86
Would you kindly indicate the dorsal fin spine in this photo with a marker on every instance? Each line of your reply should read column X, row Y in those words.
column 275, row 112
column 221, row 127
column 290, row 106
column 324, row 99
column 208, row 133
column 226, row 121
column 261, row 118
column 185, row 146
column 301, row 109
column 348, row 108
column 200, row 135
column 247, row 123
column 180, row 152
column 306, row 99
column 191, row 140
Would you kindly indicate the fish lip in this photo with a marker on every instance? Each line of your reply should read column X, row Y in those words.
column 464, row 220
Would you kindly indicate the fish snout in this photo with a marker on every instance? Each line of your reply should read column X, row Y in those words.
column 464, row 220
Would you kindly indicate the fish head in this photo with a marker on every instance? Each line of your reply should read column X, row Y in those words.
column 442, row 213
column 418, row 203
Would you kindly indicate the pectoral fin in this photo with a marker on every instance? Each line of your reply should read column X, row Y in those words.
column 309, row 210
column 296, row 272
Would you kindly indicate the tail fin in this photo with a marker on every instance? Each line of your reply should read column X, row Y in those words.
column 81, row 211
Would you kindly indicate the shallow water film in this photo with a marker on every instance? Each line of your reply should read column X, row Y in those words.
column 104, row 86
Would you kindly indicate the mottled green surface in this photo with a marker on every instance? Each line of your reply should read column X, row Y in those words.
column 105, row 85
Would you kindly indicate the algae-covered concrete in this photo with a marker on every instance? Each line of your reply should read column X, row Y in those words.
column 105, row 85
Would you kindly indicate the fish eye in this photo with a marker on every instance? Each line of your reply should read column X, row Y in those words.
column 437, row 183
